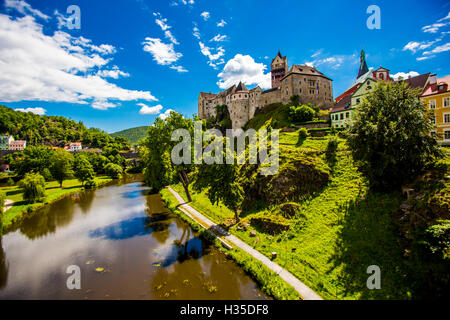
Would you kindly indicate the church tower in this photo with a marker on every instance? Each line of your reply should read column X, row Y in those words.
column 278, row 69
column 362, row 65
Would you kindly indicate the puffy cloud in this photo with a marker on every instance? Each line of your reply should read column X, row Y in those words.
column 222, row 23
column 219, row 38
column 55, row 68
column 145, row 109
column 165, row 114
column 103, row 104
column 24, row 8
column 187, row 1
column 415, row 46
column 179, row 68
column 334, row 62
column 162, row 22
column 244, row 68
column 205, row 15
column 38, row 110
column 404, row 75
column 162, row 53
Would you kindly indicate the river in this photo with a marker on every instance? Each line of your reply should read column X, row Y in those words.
column 126, row 244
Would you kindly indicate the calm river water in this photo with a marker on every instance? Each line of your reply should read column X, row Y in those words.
column 139, row 248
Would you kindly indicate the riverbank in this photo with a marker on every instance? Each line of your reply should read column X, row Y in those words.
column 270, row 282
column 21, row 209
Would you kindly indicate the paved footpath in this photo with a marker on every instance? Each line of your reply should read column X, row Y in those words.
column 305, row 292
column 8, row 204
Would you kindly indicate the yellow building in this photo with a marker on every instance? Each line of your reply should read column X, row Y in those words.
column 437, row 98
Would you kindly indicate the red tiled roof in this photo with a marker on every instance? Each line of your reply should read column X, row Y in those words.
column 432, row 89
column 418, row 81
column 343, row 104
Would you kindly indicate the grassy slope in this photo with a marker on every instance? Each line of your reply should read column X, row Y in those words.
column 340, row 232
column 133, row 135
column 53, row 192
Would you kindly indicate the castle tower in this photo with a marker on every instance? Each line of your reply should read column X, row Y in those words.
column 278, row 69
column 362, row 65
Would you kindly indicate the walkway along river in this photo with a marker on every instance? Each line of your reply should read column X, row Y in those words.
column 127, row 245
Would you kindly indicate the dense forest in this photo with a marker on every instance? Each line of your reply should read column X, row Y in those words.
column 133, row 135
column 51, row 130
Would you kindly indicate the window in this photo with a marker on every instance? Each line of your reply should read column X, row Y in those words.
column 432, row 104
column 300, row 90
column 446, row 117
column 300, row 82
column 347, row 114
column 357, row 101
column 311, row 91
column 342, row 116
column 440, row 87
column 447, row 134
column 332, row 117
column 446, row 102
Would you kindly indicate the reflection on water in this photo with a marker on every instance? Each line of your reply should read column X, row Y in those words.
column 145, row 251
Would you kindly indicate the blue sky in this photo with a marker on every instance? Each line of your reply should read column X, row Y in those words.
column 132, row 61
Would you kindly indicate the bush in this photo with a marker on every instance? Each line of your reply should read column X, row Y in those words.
column 302, row 134
column 2, row 202
column 10, row 182
column 332, row 147
column 90, row 184
column 33, row 186
column 301, row 114
column 113, row 170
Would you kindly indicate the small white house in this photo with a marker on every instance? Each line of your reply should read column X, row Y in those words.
column 75, row 146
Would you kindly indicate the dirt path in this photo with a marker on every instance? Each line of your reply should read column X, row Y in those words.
column 227, row 238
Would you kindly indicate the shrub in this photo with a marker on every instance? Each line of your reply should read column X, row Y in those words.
column 33, row 186
column 113, row 170
column 2, row 202
column 301, row 113
column 10, row 182
column 332, row 146
column 302, row 134
column 90, row 184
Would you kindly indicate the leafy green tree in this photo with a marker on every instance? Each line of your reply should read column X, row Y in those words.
column 390, row 137
column 159, row 169
column 32, row 159
column 221, row 182
column 61, row 165
column 113, row 170
column 83, row 170
column 301, row 113
column 33, row 185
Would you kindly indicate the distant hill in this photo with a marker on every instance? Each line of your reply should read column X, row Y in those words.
column 133, row 135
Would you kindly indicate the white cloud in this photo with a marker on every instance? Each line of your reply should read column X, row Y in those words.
column 178, row 68
column 187, row 2
column 162, row 22
column 145, row 109
column 196, row 33
column 219, row 38
column 205, row 15
column 404, row 75
column 334, row 62
column 415, row 46
column 165, row 114
column 244, row 68
column 439, row 49
column 114, row 73
column 24, row 8
column 424, row 58
column 433, row 28
column 103, row 104
column 38, row 110
column 162, row 53
column 317, row 53
column 222, row 23
column 214, row 58
column 56, row 68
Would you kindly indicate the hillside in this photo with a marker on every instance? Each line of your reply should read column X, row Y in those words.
column 49, row 130
column 133, row 135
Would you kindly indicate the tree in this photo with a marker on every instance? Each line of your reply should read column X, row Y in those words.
column 33, row 158
column 301, row 113
column 113, row 170
column 83, row 169
column 222, row 183
column 390, row 137
column 61, row 165
column 33, row 185
column 159, row 169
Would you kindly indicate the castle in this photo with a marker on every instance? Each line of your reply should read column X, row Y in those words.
column 307, row 82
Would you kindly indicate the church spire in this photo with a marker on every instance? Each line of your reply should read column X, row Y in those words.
column 363, row 65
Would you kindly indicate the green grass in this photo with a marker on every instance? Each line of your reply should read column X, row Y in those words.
column 53, row 192
column 339, row 233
